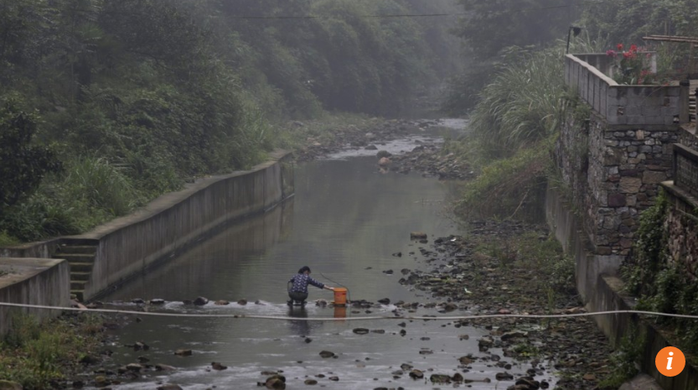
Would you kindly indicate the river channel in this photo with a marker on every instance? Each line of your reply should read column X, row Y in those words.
column 347, row 222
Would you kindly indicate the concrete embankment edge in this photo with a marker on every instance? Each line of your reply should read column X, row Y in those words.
column 172, row 223
column 33, row 281
column 602, row 290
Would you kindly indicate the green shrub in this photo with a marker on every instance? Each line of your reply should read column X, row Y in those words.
column 100, row 185
column 35, row 355
column 649, row 251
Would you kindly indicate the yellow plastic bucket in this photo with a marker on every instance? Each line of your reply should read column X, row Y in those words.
column 340, row 296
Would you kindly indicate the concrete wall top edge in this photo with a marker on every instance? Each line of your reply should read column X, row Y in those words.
column 21, row 269
column 168, row 200
column 592, row 69
column 29, row 245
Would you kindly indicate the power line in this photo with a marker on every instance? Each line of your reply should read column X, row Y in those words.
column 386, row 16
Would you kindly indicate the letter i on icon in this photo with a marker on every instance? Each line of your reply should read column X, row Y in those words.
column 670, row 361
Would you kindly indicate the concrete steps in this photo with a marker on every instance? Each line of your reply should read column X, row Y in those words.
column 81, row 256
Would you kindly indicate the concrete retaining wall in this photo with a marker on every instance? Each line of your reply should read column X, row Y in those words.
column 173, row 222
column 129, row 245
column 35, row 282
column 601, row 290
column 644, row 105
column 43, row 249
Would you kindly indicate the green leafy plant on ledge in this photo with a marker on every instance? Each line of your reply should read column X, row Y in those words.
column 661, row 283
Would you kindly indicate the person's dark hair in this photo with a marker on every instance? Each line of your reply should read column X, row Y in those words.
column 303, row 269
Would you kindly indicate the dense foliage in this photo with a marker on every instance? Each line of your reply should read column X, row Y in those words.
column 131, row 98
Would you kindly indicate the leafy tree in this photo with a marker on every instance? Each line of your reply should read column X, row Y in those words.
column 491, row 25
column 627, row 21
column 22, row 164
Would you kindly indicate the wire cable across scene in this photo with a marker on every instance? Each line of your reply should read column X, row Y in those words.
column 362, row 318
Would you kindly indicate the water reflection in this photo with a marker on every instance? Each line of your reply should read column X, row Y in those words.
column 301, row 328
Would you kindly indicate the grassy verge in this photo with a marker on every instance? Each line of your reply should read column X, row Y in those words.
column 38, row 356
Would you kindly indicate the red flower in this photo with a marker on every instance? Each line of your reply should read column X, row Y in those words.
column 633, row 48
column 627, row 54
column 620, row 46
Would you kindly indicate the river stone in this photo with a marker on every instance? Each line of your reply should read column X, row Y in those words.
column 406, row 367
column 528, row 382
column 465, row 360
column 514, row 335
column 200, row 301
column 457, row 377
column 504, row 376
column 169, row 386
column 221, row 302
column 138, row 301
column 157, row 301
column 218, row 366
column 183, row 352
column 327, row 354
column 361, row 331
column 416, row 374
column 276, row 382
column 7, row 385
column 334, row 378
column 101, row 381
column 140, row 346
column 163, row 367
column 440, row 378
column 383, row 154
column 242, row 302
column 310, row 382
column 378, row 331
column 418, row 235
column 134, row 367
column 485, row 343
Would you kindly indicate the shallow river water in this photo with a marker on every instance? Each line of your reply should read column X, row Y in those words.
column 346, row 221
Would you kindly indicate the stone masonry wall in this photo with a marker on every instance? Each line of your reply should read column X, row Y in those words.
column 624, row 167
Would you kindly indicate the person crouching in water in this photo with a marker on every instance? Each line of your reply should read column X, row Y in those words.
column 298, row 286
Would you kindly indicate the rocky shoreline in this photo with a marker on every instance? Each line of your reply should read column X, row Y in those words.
column 466, row 279
column 426, row 157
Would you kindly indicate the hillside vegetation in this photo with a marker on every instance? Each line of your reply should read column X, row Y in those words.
column 107, row 104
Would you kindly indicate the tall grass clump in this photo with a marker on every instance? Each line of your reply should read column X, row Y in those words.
column 513, row 132
column 101, row 186
column 521, row 106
